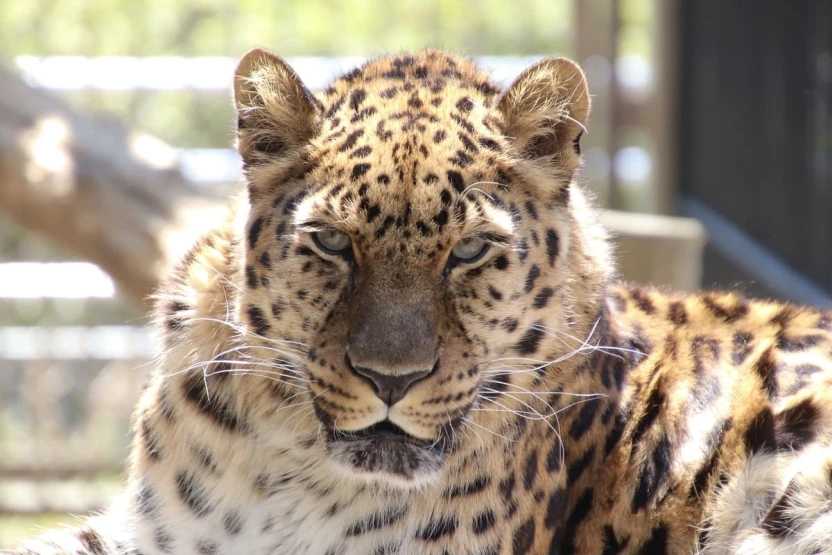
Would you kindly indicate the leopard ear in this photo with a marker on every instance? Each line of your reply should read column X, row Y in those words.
column 545, row 111
column 276, row 113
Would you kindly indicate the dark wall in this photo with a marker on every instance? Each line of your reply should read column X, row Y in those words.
column 756, row 124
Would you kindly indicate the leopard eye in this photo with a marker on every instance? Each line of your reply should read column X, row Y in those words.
column 469, row 250
column 332, row 242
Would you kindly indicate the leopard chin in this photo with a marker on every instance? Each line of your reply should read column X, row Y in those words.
column 385, row 453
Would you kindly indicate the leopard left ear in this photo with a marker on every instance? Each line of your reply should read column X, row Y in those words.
column 276, row 113
column 545, row 111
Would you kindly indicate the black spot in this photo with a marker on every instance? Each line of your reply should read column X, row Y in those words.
column 233, row 523
column 194, row 389
column 467, row 143
column 794, row 427
column 471, row 488
column 494, row 294
column 455, row 178
column 483, row 522
column 652, row 475
column 523, row 538
column 643, row 301
column 552, row 245
column 356, row 98
column 501, row 262
column 554, row 459
column 207, row 547
column 657, row 543
column 779, row 523
column 579, row 513
column 251, row 277
column 350, row 141
column 530, row 470
column 377, row 521
column 396, row 73
column 258, row 320
column 145, row 501
column 507, row 488
column 728, row 314
column 652, row 410
column 509, row 324
column 254, row 232
column 149, row 440
column 461, row 159
column 465, row 104
column 555, row 508
column 699, row 346
column 359, row 170
column 192, row 494
column 92, row 542
column 611, row 544
column 740, row 347
column 678, row 314
column 490, row 144
column 614, row 436
column 534, row 273
column 760, row 433
column 174, row 320
column 439, row 136
column 441, row 219
column 530, row 340
column 583, row 421
column 713, row 445
column 266, row 260
column 362, row 152
column 766, row 368
column 373, row 212
column 793, row 344
column 389, row 92
column 435, row 529
column 577, row 467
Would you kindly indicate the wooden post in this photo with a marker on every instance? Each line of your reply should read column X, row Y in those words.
column 596, row 46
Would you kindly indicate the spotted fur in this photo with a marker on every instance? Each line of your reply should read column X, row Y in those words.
column 394, row 398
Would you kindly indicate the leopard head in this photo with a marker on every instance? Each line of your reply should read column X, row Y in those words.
column 414, row 231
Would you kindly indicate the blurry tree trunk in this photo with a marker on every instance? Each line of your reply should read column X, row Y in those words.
column 107, row 195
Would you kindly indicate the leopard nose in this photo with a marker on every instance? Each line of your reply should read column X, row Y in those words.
column 391, row 388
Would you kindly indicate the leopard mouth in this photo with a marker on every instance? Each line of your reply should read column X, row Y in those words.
column 384, row 449
column 382, row 431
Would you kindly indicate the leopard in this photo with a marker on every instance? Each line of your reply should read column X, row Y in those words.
column 408, row 335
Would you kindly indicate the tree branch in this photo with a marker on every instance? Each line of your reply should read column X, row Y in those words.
column 105, row 194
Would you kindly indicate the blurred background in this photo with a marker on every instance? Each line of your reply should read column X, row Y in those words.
column 710, row 148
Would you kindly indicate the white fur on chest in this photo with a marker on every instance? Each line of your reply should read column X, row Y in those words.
column 298, row 506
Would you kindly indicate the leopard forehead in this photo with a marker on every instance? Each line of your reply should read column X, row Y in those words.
column 410, row 143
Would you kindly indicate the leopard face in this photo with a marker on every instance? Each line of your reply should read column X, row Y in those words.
column 410, row 229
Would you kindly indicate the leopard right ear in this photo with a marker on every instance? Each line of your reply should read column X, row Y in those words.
column 276, row 113
column 546, row 110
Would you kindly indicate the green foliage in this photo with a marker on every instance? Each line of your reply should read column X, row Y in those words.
column 289, row 27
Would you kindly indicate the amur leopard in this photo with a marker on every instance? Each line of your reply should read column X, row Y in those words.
column 407, row 338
